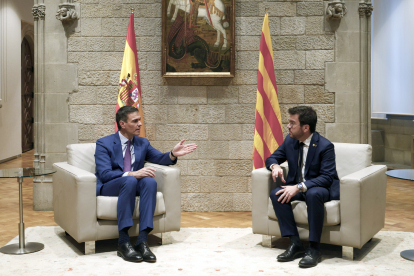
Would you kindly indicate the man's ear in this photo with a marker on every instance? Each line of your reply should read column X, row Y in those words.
column 122, row 123
column 306, row 128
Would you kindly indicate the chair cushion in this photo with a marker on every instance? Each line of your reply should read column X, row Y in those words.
column 332, row 212
column 82, row 156
column 351, row 158
column 106, row 207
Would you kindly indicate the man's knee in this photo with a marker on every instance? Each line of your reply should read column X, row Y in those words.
column 129, row 183
column 149, row 183
column 273, row 195
column 317, row 194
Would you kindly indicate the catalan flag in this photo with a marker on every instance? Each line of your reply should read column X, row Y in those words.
column 129, row 82
column 268, row 134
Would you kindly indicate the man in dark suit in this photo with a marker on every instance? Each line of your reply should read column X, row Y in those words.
column 312, row 178
column 120, row 172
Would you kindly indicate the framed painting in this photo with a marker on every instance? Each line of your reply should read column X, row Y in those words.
column 198, row 38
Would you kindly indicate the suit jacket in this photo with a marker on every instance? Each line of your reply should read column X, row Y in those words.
column 110, row 161
column 320, row 166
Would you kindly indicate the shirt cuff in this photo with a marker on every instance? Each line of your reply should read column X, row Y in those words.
column 271, row 166
column 304, row 188
column 125, row 174
column 171, row 157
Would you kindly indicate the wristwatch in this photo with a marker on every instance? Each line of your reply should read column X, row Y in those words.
column 300, row 187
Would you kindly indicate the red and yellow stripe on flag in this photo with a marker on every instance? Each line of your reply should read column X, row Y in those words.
column 129, row 82
column 268, row 134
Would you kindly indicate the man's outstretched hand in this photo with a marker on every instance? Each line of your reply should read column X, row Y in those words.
column 180, row 149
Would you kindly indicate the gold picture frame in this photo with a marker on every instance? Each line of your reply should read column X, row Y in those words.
column 191, row 45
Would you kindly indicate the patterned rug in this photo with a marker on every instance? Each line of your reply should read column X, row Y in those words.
column 204, row 251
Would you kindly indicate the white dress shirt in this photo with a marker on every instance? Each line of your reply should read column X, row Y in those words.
column 124, row 142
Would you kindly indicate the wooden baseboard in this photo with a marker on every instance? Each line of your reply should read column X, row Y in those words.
column 10, row 158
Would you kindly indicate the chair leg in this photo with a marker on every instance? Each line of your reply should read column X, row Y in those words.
column 89, row 247
column 166, row 238
column 267, row 241
column 348, row 253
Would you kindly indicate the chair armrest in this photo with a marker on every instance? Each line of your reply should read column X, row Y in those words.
column 169, row 183
column 363, row 199
column 262, row 185
column 74, row 201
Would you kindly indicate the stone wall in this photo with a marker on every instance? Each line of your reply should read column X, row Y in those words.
column 313, row 63
column 220, row 119
column 397, row 138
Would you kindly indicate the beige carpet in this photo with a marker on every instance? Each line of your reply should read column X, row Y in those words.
column 204, row 251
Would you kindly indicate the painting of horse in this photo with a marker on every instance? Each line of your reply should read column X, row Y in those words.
column 198, row 37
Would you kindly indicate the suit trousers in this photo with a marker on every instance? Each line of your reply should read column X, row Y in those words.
column 315, row 199
column 126, row 189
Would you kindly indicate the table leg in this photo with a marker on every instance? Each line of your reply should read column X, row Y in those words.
column 22, row 247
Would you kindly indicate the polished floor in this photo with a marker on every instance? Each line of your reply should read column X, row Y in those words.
column 399, row 214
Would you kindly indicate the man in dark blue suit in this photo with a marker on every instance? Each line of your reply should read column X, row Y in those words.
column 312, row 178
column 120, row 172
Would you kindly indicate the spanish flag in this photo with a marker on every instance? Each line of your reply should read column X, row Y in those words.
column 268, row 134
column 129, row 82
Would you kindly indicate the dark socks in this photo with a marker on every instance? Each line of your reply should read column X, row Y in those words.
column 143, row 236
column 123, row 236
column 314, row 245
column 296, row 240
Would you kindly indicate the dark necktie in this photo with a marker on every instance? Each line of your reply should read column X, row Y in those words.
column 299, row 170
column 127, row 158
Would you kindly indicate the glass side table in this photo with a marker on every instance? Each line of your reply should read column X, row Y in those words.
column 22, row 247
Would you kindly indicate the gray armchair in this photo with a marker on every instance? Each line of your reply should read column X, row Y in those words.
column 349, row 222
column 88, row 218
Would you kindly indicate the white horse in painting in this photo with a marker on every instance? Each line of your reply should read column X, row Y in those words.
column 217, row 13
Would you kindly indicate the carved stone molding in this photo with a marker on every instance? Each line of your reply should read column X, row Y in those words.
column 336, row 10
column 365, row 9
column 39, row 12
column 66, row 12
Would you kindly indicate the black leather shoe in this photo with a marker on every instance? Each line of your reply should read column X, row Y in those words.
column 312, row 258
column 128, row 253
column 146, row 253
column 294, row 251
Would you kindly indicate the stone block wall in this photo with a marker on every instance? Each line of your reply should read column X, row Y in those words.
column 219, row 118
column 397, row 139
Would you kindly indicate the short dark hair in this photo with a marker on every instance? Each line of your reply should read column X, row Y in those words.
column 307, row 116
column 122, row 114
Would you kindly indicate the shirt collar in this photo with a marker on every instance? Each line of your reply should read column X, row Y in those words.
column 124, row 140
column 308, row 140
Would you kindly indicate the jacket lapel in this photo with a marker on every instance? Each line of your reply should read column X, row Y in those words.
column 137, row 152
column 118, row 151
column 312, row 150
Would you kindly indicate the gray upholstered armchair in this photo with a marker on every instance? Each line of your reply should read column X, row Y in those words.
column 88, row 218
column 349, row 222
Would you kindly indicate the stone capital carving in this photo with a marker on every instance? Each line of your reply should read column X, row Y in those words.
column 39, row 12
column 66, row 12
column 335, row 10
column 365, row 9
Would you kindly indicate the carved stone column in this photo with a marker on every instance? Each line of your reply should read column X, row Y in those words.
column 39, row 13
column 365, row 10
